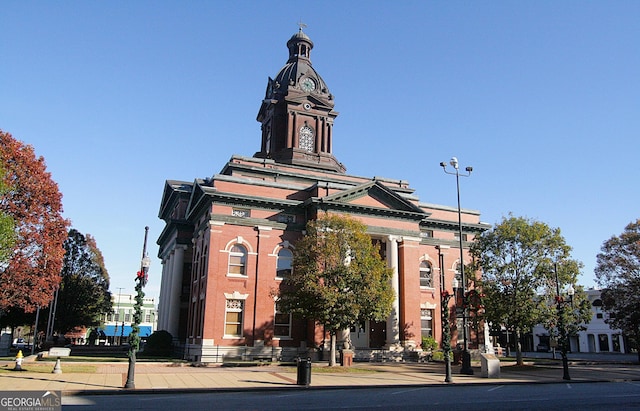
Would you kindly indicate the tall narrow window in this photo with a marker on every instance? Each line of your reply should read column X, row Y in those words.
column 237, row 260
column 282, row 323
column 284, row 263
column 426, row 322
column 233, row 318
column 426, row 274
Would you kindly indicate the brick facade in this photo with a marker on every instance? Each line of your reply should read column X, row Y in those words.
column 226, row 237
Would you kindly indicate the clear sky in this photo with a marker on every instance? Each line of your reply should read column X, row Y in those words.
column 542, row 98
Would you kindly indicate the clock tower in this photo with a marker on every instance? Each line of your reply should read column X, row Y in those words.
column 297, row 113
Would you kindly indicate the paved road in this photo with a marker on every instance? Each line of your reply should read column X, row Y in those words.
column 490, row 397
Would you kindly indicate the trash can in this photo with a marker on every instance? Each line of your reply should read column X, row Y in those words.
column 304, row 371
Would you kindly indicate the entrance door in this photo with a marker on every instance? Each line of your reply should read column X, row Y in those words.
column 603, row 342
column 592, row 343
column 359, row 335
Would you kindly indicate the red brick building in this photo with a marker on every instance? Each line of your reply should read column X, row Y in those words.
column 229, row 239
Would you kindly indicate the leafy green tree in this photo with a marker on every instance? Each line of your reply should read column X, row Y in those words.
column 618, row 273
column 339, row 279
column 517, row 257
column 29, row 278
column 84, row 291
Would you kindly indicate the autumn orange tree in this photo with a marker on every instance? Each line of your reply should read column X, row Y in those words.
column 31, row 273
column 7, row 233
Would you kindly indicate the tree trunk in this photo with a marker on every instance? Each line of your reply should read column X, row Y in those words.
column 519, row 360
column 332, row 350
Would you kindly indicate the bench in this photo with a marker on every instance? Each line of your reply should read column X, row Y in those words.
column 262, row 358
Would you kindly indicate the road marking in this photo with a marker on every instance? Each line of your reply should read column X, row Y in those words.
column 405, row 391
column 495, row 388
column 73, row 400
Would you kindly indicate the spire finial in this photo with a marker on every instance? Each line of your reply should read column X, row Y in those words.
column 301, row 25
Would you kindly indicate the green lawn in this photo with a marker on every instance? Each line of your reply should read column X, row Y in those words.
column 47, row 368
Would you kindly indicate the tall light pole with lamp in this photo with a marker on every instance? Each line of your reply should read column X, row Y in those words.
column 466, row 356
column 117, row 316
column 134, row 337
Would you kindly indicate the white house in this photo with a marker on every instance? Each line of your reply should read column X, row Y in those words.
column 598, row 337
column 117, row 325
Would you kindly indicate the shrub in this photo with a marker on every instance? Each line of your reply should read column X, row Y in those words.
column 439, row 355
column 159, row 344
column 429, row 344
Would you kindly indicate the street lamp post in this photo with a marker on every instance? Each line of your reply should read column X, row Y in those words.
column 134, row 337
column 562, row 329
column 444, row 315
column 466, row 356
column 118, row 318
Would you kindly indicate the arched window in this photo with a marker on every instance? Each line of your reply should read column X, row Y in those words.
column 284, row 263
column 458, row 275
column 597, row 307
column 426, row 274
column 238, row 260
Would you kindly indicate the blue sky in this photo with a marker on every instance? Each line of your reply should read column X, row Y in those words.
column 542, row 98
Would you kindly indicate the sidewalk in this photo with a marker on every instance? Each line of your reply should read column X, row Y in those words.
column 158, row 377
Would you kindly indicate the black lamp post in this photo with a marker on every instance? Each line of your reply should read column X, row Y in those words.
column 134, row 337
column 466, row 356
column 562, row 329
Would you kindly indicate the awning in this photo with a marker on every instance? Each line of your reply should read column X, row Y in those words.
column 116, row 330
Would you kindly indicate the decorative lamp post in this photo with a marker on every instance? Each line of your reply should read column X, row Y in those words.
column 115, row 332
column 466, row 356
column 444, row 315
column 134, row 337
column 562, row 329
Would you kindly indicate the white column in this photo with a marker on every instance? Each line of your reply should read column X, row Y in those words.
column 167, row 292
column 393, row 322
column 175, row 291
column 610, row 338
column 162, row 304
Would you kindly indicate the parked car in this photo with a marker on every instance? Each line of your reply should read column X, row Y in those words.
column 20, row 343
column 542, row 348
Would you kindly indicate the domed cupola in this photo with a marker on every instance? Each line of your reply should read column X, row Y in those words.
column 299, row 46
column 297, row 112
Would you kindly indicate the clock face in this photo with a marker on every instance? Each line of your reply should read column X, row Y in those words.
column 308, row 84
column 306, row 138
